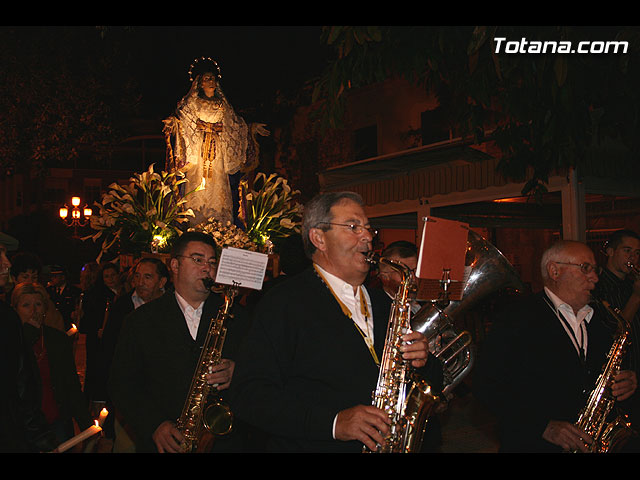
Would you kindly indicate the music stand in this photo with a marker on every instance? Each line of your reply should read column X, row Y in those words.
column 441, row 260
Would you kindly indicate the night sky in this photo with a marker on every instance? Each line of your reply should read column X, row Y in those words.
column 255, row 61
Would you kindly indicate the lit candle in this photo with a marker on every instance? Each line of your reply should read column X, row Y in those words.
column 103, row 416
column 72, row 330
column 81, row 437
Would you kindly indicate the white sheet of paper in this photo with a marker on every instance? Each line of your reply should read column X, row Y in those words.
column 243, row 267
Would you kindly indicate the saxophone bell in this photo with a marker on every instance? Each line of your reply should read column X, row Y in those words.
column 203, row 410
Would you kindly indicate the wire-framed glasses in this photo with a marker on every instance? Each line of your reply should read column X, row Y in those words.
column 355, row 228
column 585, row 267
column 200, row 261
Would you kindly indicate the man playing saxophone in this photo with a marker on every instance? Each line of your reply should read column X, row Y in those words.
column 543, row 356
column 308, row 369
column 159, row 347
column 619, row 285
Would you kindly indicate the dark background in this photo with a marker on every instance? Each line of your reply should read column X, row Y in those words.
column 255, row 61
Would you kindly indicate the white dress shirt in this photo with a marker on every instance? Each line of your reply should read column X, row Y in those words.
column 344, row 292
column 577, row 322
column 191, row 315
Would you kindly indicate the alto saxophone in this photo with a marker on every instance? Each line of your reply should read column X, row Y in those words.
column 401, row 392
column 608, row 435
column 200, row 414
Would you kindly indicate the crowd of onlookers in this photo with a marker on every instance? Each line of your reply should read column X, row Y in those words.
column 54, row 312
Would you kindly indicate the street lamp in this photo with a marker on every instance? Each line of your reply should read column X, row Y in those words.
column 78, row 218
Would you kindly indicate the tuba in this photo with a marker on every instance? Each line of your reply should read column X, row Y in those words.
column 487, row 271
column 400, row 391
column 608, row 435
column 201, row 414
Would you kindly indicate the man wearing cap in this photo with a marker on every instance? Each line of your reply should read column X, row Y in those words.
column 22, row 424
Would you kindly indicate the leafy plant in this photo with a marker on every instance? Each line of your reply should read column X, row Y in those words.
column 271, row 209
column 148, row 211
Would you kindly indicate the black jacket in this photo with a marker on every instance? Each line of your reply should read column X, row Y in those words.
column 23, row 427
column 528, row 372
column 155, row 360
column 304, row 361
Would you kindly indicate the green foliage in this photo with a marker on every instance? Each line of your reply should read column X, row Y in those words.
column 272, row 211
column 544, row 110
column 63, row 91
column 131, row 216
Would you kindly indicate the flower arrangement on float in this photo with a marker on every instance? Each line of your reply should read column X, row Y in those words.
column 143, row 215
column 146, row 214
column 271, row 210
column 226, row 235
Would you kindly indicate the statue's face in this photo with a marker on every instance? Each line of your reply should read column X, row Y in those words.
column 208, row 84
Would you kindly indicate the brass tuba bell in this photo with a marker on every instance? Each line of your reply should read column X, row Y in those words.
column 488, row 271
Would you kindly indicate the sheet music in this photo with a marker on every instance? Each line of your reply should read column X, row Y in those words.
column 243, row 267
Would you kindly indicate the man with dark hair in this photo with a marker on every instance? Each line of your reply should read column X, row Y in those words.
column 311, row 360
column 26, row 267
column 619, row 285
column 149, row 280
column 543, row 355
column 159, row 347
column 403, row 252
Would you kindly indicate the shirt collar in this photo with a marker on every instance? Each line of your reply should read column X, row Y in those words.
column 339, row 286
column 136, row 299
column 185, row 307
column 585, row 312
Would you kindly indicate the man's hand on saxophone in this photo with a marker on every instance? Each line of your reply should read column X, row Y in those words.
column 567, row 436
column 573, row 439
column 415, row 349
column 625, row 385
column 167, row 438
column 220, row 375
column 365, row 423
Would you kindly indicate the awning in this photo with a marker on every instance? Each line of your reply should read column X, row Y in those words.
column 388, row 166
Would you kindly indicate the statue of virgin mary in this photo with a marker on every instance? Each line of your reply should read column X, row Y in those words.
column 208, row 141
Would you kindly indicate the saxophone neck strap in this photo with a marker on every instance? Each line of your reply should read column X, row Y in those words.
column 345, row 310
column 579, row 344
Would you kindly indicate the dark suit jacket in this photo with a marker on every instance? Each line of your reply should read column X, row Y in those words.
column 155, row 360
column 528, row 372
column 121, row 307
column 303, row 362
column 65, row 302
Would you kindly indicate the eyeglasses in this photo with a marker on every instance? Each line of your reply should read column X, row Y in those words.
column 357, row 229
column 200, row 261
column 585, row 268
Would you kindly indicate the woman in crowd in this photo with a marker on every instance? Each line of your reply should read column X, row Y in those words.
column 61, row 392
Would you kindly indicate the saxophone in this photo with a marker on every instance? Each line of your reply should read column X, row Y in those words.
column 608, row 435
column 400, row 391
column 199, row 415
